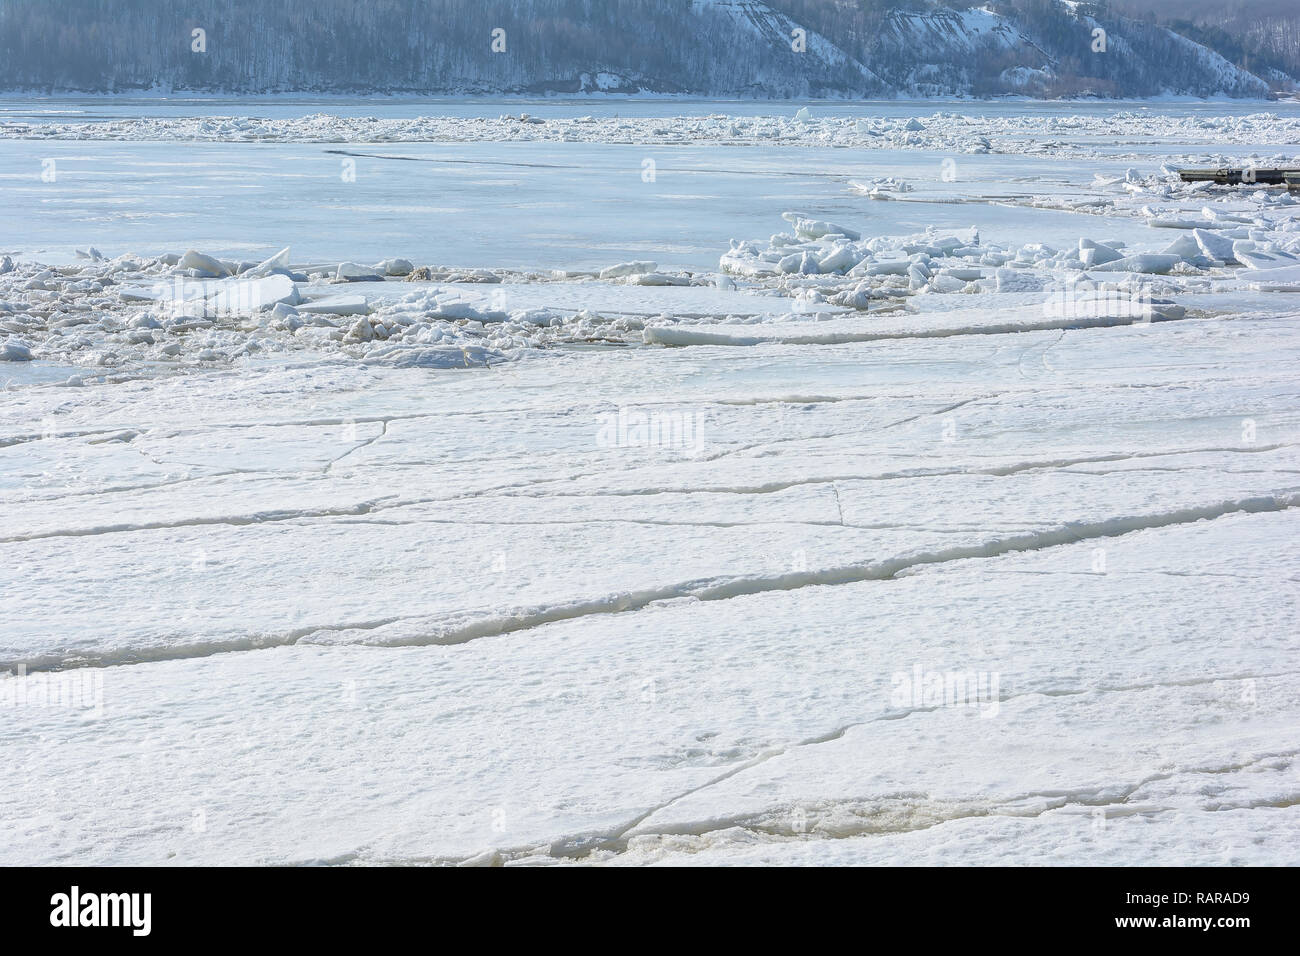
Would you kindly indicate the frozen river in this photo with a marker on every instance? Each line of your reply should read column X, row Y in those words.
column 512, row 205
column 522, row 205
column 931, row 498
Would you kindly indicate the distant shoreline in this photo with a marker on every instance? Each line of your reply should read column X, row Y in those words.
column 599, row 97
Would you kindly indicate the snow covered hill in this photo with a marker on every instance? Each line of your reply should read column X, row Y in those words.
column 781, row 32
column 1071, row 50
column 941, row 51
column 750, row 48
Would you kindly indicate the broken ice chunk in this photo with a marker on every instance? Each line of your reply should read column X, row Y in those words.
column 337, row 305
column 841, row 259
column 13, row 351
column 353, row 272
column 627, row 269
column 1185, row 247
column 204, row 264
column 1215, row 246
column 806, row 228
column 1282, row 279
column 1249, row 254
column 1096, row 253
column 1154, row 263
column 1017, row 280
column 658, row 279
column 276, row 263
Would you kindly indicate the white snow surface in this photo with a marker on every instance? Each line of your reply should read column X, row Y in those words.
column 911, row 545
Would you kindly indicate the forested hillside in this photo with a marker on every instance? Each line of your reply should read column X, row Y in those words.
column 781, row 48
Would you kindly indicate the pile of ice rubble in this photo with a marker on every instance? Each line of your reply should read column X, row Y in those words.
column 196, row 309
column 1163, row 201
column 1030, row 132
column 932, row 262
column 130, row 311
column 1220, row 238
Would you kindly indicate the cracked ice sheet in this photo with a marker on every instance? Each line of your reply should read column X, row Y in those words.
column 479, row 536
column 1162, row 687
column 1084, row 436
column 1070, row 836
column 186, row 590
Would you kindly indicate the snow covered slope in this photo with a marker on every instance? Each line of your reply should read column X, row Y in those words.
column 939, row 52
column 780, row 31
column 979, row 51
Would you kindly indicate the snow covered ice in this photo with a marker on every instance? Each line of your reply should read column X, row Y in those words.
column 861, row 488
